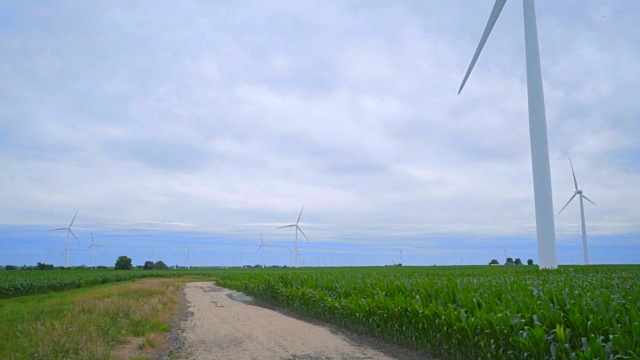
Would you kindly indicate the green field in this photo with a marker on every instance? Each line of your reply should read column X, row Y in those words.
column 470, row 312
column 15, row 283
column 481, row 312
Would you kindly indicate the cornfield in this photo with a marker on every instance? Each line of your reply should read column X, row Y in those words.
column 476, row 313
column 21, row 283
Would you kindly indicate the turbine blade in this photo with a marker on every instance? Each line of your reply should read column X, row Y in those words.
column 74, row 235
column 58, row 229
column 74, row 219
column 286, row 226
column 299, row 216
column 575, row 182
column 565, row 205
column 495, row 13
column 305, row 236
column 586, row 198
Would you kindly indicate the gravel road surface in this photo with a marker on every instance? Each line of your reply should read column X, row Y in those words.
column 225, row 324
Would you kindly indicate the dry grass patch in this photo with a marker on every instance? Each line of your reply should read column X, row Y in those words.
column 114, row 321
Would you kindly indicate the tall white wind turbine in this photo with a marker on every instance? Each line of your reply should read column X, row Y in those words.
column 69, row 232
column 584, row 227
column 297, row 229
column 545, row 226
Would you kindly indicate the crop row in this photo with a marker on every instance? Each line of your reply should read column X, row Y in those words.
column 581, row 313
column 21, row 283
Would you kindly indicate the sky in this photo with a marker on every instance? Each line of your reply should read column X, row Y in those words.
column 204, row 125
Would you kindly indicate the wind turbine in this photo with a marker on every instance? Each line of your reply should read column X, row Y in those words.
column 91, row 247
column 175, row 254
column 188, row 257
column 399, row 249
column 584, row 227
column 290, row 255
column 545, row 226
column 69, row 231
column 262, row 246
column 241, row 260
column 297, row 229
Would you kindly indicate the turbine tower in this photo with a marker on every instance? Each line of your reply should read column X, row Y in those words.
column 262, row 246
column 69, row 231
column 584, row 227
column 297, row 229
column 545, row 226
column 175, row 254
column 91, row 247
column 188, row 257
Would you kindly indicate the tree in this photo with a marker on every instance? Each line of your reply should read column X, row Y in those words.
column 123, row 263
column 509, row 261
column 518, row 261
column 494, row 262
column 530, row 262
column 148, row 265
column 160, row 265
column 43, row 266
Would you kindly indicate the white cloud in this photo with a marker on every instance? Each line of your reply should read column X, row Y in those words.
column 222, row 115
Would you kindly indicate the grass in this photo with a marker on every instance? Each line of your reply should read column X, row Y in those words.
column 99, row 322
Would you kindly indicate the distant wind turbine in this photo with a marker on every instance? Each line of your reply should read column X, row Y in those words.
column 175, row 254
column 297, row 229
column 399, row 249
column 241, row 260
column 262, row 246
column 188, row 257
column 545, row 226
column 584, row 227
column 69, row 232
column 92, row 248
column 290, row 255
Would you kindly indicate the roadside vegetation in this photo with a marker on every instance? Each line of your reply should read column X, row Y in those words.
column 115, row 321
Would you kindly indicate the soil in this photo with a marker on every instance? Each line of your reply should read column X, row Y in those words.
column 219, row 323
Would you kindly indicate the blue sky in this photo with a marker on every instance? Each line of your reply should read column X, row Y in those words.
column 208, row 124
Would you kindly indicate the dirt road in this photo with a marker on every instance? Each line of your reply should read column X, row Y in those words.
column 224, row 324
